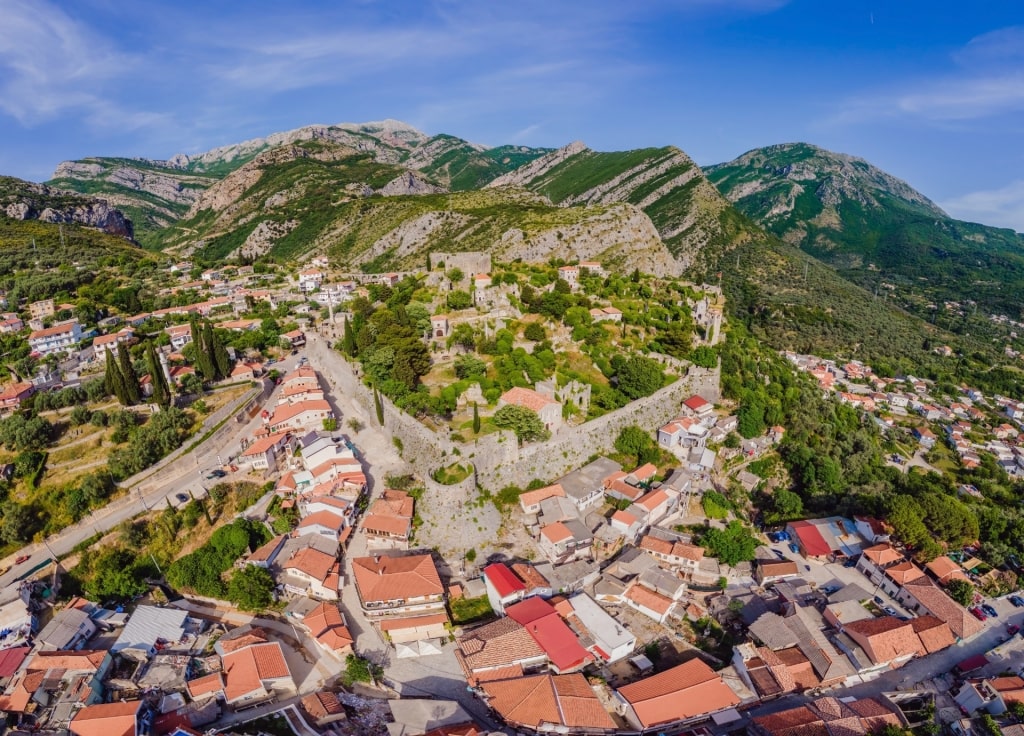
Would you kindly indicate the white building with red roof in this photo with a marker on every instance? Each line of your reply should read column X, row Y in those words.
column 301, row 415
column 503, row 587
column 683, row 432
column 56, row 339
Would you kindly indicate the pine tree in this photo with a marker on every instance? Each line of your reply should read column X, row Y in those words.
column 476, row 419
column 221, row 359
column 379, row 406
column 131, row 380
column 161, row 391
column 348, row 340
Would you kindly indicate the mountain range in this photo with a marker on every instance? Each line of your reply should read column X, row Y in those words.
column 801, row 238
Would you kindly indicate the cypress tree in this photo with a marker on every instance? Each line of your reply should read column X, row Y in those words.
column 131, row 380
column 109, row 379
column 221, row 359
column 348, row 340
column 116, row 380
column 161, row 391
column 204, row 356
column 379, row 406
column 476, row 419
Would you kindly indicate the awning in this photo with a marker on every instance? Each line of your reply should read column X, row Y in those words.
column 726, row 716
column 972, row 663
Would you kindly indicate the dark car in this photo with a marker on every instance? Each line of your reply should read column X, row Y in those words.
column 989, row 610
column 1017, row 601
column 976, row 612
column 850, row 562
column 181, row 497
column 793, row 548
column 1012, row 629
column 218, row 473
column 879, row 601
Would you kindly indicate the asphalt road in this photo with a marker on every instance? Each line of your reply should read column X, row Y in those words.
column 184, row 475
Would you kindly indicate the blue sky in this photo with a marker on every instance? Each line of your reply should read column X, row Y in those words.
column 932, row 92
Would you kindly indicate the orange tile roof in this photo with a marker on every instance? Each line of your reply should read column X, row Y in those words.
column 944, row 569
column 393, row 503
column 682, row 692
column 255, row 635
column 557, row 532
column 960, row 621
column 322, row 704
column 206, row 685
column 385, row 578
column 652, row 500
column 885, row 638
column 526, row 397
column 325, row 518
column 501, row 643
column 649, row 599
column 265, row 443
column 904, row 572
column 672, row 549
column 106, row 719
column 83, row 659
column 529, row 575
column 933, row 633
column 644, row 472
column 624, row 517
column 882, row 554
column 21, row 692
column 247, row 668
column 311, row 561
column 548, row 700
column 393, row 525
column 290, row 411
column 531, row 498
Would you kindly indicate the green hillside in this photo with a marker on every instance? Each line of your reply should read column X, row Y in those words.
column 460, row 166
column 874, row 229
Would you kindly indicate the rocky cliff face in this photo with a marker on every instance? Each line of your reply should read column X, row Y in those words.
column 22, row 200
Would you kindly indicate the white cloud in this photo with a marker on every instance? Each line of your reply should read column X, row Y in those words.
column 1003, row 207
column 986, row 79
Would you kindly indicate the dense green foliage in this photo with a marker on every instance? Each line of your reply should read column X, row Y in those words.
column 161, row 434
column 201, row 571
column 524, row 422
column 731, row 545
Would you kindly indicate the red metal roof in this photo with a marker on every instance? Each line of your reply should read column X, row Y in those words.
column 503, row 579
column 811, row 540
column 558, row 641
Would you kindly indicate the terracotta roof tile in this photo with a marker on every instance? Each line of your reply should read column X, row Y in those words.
column 106, row 719
column 502, row 643
column 385, row 578
column 649, row 599
column 883, row 554
column 548, row 700
column 527, row 398
column 206, row 685
column 684, row 691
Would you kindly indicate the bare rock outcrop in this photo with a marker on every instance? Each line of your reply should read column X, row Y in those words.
column 407, row 183
column 538, row 167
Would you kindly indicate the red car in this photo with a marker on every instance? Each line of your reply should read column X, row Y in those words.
column 1012, row 629
column 22, row 558
column 977, row 613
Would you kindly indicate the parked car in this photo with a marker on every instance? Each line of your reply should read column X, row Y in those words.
column 830, row 589
column 218, row 473
column 22, row 558
column 181, row 497
column 890, row 610
column 793, row 548
column 976, row 612
column 989, row 610
column 879, row 600
column 850, row 562
column 1012, row 629
column 1017, row 601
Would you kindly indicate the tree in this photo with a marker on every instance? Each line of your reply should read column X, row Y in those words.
column 961, row 591
column 731, row 545
column 251, row 588
column 206, row 364
column 161, row 389
column 348, row 340
column 80, row 415
column 131, row 381
column 469, row 366
column 203, row 359
column 639, row 376
column 784, row 506
column 116, row 574
column 535, row 331
column 751, row 418
column 192, row 383
column 330, row 424
column 17, row 523
column 358, row 669
column 476, row 419
column 459, row 300
column 634, row 441
column 378, row 406
column 456, row 275
column 221, row 359
column 525, row 423
column 114, row 381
